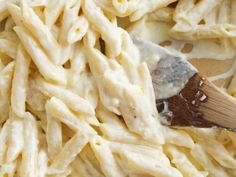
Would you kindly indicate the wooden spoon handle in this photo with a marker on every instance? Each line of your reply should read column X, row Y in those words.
column 220, row 108
column 200, row 104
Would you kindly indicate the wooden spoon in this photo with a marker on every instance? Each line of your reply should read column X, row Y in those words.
column 183, row 96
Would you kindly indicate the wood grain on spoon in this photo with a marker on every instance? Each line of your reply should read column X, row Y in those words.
column 220, row 107
column 200, row 103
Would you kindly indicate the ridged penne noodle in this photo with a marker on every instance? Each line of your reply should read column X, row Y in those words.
column 115, row 8
column 20, row 82
column 91, row 164
column 15, row 12
column 15, row 137
column 178, row 137
column 96, row 17
column 135, row 119
column 8, row 47
column 212, row 17
column 146, row 86
column 121, row 134
column 5, row 85
column 3, row 10
column 79, row 105
column 200, row 10
column 42, row 163
column 148, row 6
column 224, row 15
column 41, row 32
column 80, row 79
column 35, row 99
column 53, row 135
column 121, row 7
column 84, row 168
column 103, row 153
column 130, row 57
column 207, row 162
column 60, row 111
column 219, row 153
column 3, row 140
column 164, row 14
column 75, row 102
column 205, row 31
column 52, row 11
column 71, row 11
column 77, row 64
column 183, row 164
column 30, row 151
column 156, row 163
column 183, row 8
column 69, row 151
column 77, row 30
column 189, row 14
column 46, row 67
column 114, row 129
column 70, row 15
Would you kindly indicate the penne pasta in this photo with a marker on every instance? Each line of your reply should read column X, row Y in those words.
column 8, row 47
column 46, row 67
column 164, row 14
column 223, row 158
column 60, row 111
column 77, row 30
column 75, row 102
column 106, row 29
column 103, row 153
column 203, row 32
column 207, row 163
column 15, row 137
column 69, row 151
column 41, row 33
column 52, row 11
column 5, row 85
column 3, row 140
column 3, row 10
column 84, row 168
column 42, row 163
column 183, row 164
column 19, row 83
column 90, row 163
column 53, row 135
column 15, row 12
column 132, row 156
column 30, row 151
column 178, row 137
column 146, row 7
